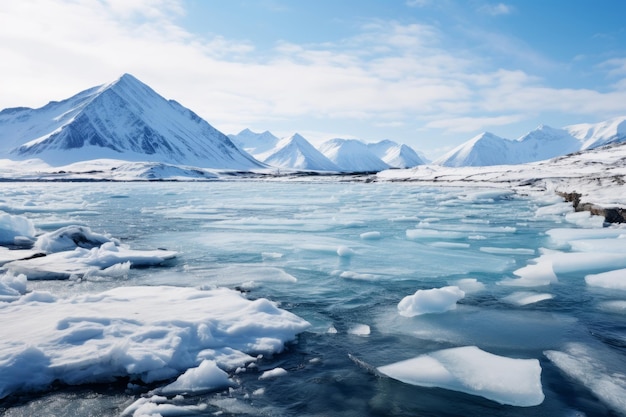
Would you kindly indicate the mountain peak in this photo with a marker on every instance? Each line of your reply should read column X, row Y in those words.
column 124, row 120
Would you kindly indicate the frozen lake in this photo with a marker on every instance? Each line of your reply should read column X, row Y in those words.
column 344, row 299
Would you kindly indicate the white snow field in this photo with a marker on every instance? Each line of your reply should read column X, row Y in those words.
column 250, row 296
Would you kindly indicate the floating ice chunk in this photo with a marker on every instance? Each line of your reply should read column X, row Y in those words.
column 158, row 406
column 615, row 245
column 507, row 251
column 436, row 300
column 614, row 306
column 12, row 286
column 12, row 227
column 469, row 285
column 584, row 219
column 146, row 333
column 206, row 377
column 345, row 252
column 360, row 330
column 273, row 373
column 332, row 330
column 271, row 255
column 558, row 209
column 615, row 280
column 473, row 371
column 71, row 237
column 533, row 275
column 424, row 234
column 523, row 298
column 370, row 235
column 565, row 236
column 449, row 245
column 358, row 276
column 592, row 370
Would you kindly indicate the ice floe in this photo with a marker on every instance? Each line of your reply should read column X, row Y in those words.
column 436, row 300
column 473, row 371
column 595, row 370
column 614, row 280
column 143, row 333
column 522, row 298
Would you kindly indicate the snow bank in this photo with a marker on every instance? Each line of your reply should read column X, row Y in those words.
column 473, row 371
column 144, row 333
column 12, row 286
column 436, row 300
column 14, row 227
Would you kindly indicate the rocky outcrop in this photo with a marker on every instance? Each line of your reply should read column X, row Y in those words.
column 610, row 214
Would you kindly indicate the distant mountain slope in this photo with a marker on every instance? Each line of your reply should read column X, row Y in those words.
column 395, row 155
column 486, row 149
column 352, row 155
column 254, row 143
column 124, row 120
column 593, row 135
column 297, row 153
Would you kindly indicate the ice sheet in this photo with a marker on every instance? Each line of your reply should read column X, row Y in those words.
column 145, row 333
column 473, row 371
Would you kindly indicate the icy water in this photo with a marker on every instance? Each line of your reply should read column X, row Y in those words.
column 342, row 256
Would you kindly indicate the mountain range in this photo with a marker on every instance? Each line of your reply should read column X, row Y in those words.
column 540, row 144
column 339, row 155
column 126, row 120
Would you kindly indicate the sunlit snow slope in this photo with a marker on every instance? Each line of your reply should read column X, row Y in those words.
column 124, row 120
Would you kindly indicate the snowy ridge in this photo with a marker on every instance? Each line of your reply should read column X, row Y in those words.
column 126, row 120
column 297, row 153
column 352, row 155
column 599, row 134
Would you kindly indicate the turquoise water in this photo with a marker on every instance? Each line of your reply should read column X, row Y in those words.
column 339, row 255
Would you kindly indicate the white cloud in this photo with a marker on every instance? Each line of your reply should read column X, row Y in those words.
column 499, row 9
column 388, row 75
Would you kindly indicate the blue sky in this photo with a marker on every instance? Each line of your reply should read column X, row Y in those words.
column 429, row 73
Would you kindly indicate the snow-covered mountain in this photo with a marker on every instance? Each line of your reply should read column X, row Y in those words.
column 482, row 150
column 254, row 143
column 352, row 155
column 124, row 120
column 395, row 155
column 297, row 153
column 486, row 149
column 593, row 135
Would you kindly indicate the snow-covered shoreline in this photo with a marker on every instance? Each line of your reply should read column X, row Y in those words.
column 596, row 177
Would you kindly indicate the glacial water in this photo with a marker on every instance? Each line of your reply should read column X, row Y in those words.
column 342, row 255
